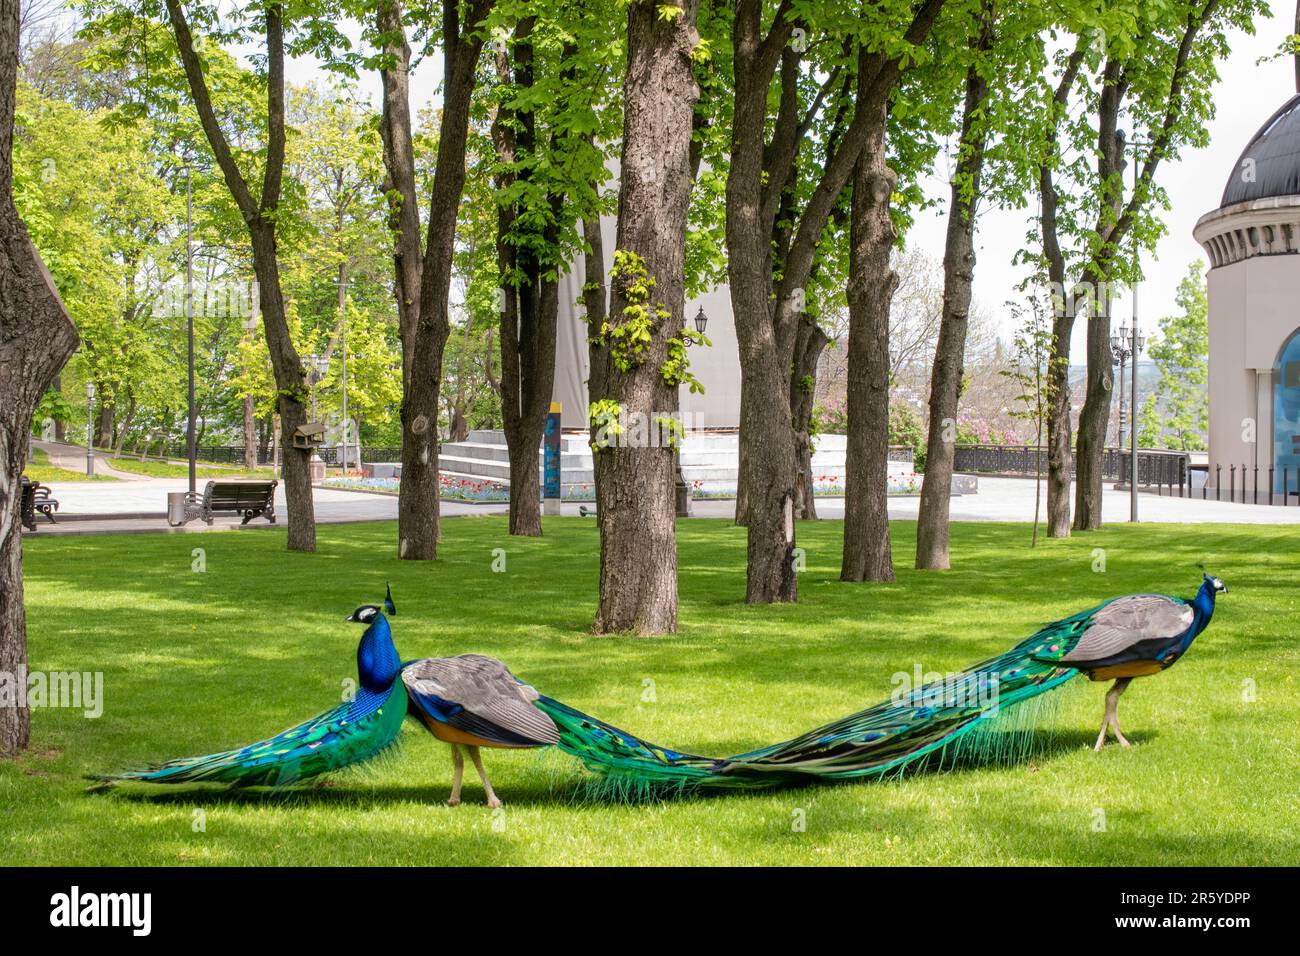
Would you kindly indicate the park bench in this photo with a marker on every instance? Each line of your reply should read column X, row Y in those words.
column 36, row 497
column 251, row 499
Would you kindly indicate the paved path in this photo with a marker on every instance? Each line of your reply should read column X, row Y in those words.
column 73, row 458
column 1012, row 499
column 140, row 506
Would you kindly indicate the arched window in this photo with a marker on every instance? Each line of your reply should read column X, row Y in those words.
column 1286, row 416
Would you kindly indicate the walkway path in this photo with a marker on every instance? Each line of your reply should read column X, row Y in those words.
column 139, row 505
column 73, row 458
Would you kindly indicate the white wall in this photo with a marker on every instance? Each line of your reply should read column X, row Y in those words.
column 1254, row 310
column 717, row 366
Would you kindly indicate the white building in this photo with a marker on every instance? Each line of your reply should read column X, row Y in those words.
column 1253, row 243
column 716, row 365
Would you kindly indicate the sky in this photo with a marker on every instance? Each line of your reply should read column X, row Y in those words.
column 1245, row 97
column 1247, row 94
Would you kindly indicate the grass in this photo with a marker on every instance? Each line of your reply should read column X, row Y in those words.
column 168, row 469
column 40, row 469
column 195, row 662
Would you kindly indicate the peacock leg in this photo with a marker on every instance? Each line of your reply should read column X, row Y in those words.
column 492, row 799
column 1112, row 701
column 458, row 771
column 1111, row 718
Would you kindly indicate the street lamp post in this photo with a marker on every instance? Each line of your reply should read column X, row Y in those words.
column 683, row 492
column 1135, row 343
column 90, row 429
column 318, row 365
column 1121, row 351
column 343, row 343
column 191, row 418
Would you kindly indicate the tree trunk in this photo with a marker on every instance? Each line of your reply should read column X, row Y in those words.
column 36, row 340
column 60, row 427
column 767, row 290
column 867, row 552
column 950, row 351
column 808, row 348
column 250, row 434
column 132, row 408
column 104, row 421
column 290, row 377
column 1094, row 416
column 635, row 497
column 530, row 313
column 424, row 279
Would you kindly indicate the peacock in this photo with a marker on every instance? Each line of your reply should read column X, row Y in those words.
column 473, row 701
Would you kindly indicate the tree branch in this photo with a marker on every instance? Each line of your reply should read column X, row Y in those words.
column 207, row 115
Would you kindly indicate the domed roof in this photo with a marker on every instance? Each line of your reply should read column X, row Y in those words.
column 1270, row 164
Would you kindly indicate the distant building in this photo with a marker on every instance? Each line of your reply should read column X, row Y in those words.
column 1253, row 243
column 717, row 365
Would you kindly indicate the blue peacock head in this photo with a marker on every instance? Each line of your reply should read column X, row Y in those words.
column 377, row 661
column 1215, row 584
column 365, row 614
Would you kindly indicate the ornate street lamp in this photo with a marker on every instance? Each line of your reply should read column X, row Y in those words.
column 1121, row 352
column 90, row 429
column 682, row 490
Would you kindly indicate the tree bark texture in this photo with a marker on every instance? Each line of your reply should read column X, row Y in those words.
column 635, row 492
column 811, row 342
column 1095, row 414
column 950, row 351
column 36, row 339
column 867, row 552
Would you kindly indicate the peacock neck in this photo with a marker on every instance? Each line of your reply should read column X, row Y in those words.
column 377, row 661
column 1202, row 609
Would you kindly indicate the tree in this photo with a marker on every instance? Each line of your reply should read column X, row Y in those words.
column 1178, row 414
column 261, row 215
column 36, row 339
column 1153, row 67
column 959, row 277
column 423, row 272
column 548, row 105
column 1031, row 353
column 643, row 339
column 867, row 552
column 769, row 285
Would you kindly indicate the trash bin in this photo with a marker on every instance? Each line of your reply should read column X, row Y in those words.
column 176, row 508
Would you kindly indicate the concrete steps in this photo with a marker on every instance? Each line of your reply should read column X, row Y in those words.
column 709, row 461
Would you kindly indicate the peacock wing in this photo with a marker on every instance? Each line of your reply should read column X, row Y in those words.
column 480, row 696
column 1125, row 622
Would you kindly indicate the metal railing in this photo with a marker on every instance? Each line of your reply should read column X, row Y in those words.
column 1165, row 472
column 1281, row 488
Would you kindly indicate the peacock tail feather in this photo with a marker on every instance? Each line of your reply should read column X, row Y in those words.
column 992, row 711
column 355, row 731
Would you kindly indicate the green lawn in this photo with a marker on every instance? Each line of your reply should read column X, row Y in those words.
column 40, row 469
column 167, row 469
column 195, row 662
